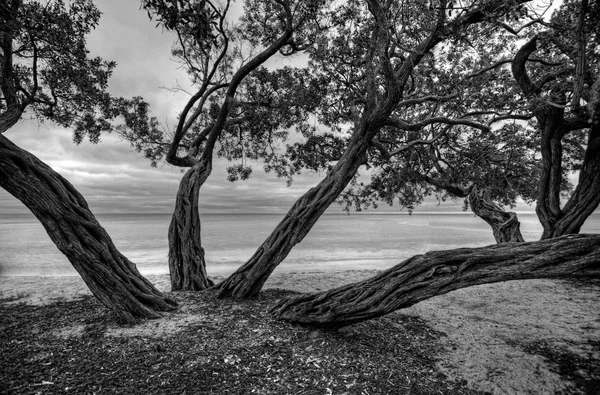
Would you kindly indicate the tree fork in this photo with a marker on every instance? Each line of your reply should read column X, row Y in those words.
column 113, row 279
column 436, row 273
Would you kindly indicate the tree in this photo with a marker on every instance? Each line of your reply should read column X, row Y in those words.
column 238, row 110
column 436, row 273
column 563, row 95
column 372, row 64
column 480, row 166
column 45, row 70
column 472, row 144
column 499, row 164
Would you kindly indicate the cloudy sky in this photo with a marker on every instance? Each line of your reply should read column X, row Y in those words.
column 111, row 175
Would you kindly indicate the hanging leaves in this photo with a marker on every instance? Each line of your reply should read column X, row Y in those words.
column 197, row 19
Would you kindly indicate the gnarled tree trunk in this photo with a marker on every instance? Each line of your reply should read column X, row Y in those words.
column 64, row 213
column 548, row 202
column 435, row 273
column 505, row 225
column 186, row 255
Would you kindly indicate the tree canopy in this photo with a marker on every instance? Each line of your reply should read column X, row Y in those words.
column 46, row 71
column 46, row 68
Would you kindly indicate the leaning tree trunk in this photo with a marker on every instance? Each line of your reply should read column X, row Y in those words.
column 64, row 213
column 186, row 255
column 435, row 273
column 505, row 225
column 249, row 279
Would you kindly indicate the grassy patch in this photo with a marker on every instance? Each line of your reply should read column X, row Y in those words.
column 237, row 349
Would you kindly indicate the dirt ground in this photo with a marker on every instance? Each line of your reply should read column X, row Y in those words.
column 498, row 336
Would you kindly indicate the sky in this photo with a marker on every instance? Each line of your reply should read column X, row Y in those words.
column 114, row 178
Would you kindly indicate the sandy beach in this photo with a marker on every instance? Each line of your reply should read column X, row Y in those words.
column 488, row 328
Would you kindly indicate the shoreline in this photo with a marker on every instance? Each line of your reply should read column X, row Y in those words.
column 40, row 290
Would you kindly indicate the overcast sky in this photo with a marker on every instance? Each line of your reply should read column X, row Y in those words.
column 111, row 175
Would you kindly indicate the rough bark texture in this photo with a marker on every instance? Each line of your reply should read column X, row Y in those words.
column 9, row 118
column 548, row 202
column 436, row 273
column 64, row 213
column 186, row 255
column 505, row 225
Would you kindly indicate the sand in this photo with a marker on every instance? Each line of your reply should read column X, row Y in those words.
column 485, row 326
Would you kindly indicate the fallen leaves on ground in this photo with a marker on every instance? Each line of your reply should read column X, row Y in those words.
column 237, row 348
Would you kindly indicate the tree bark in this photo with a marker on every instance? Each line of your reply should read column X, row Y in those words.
column 10, row 117
column 435, row 273
column 64, row 213
column 505, row 224
column 186, row 255
column 551, row 120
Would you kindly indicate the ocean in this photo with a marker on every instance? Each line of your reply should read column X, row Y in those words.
column 336, row 242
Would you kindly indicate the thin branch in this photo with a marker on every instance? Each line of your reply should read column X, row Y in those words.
column 403, row 125
column 519, row 69
column 516, row 32
column 552, row 76
column 423, row 99
column 499, row 118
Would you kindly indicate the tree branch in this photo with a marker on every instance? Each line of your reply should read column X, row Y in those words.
column 419, row 100
column 401, row 124
column 580, row 67
column 517, row 31
column 436, row 273
column 519, row 69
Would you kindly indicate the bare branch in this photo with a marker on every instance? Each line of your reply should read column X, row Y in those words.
column 423, row 99
column 401, row 124
column 499, row 118
column 518, row 30
column 505, row 61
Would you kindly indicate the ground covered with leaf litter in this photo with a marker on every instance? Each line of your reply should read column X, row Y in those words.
column 221, row 346
column 235, row 347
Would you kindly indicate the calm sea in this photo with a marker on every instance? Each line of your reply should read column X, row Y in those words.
column 338, row 242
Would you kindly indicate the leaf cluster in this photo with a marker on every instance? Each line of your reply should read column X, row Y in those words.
column 47, row 68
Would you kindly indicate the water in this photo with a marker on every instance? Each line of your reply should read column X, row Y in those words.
column 337, row 242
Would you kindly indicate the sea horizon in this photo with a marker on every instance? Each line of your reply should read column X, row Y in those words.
column 337, row 242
